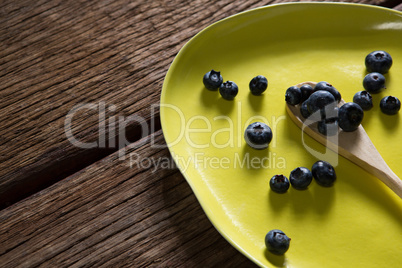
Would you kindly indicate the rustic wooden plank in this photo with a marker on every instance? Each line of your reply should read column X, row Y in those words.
column 55, row 55
column 114, row 215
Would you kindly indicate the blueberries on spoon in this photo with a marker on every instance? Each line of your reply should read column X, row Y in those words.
column 304, row 110
column 318, row 100
column 300, row 178
column 293, row 95
column 279, row 184
column 378, row 61
column 258, row 135
column 374, row 82
column 277, row 242
column 330, row 88
column 324, row 173
column 350, row 116
column 390, row 105
column 258, row 85
column 228, row 90
column 212, row 80
column 306, row 91
column 328, row 127
column 364, row 99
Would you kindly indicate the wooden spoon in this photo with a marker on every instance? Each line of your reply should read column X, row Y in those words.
column 355, row 146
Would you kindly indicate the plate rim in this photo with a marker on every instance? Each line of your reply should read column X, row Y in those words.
column 175, row 61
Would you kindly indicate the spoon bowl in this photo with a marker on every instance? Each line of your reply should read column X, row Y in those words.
column 355, row 146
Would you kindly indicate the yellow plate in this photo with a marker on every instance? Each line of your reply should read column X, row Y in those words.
column 355, row 223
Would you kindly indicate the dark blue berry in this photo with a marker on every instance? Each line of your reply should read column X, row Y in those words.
column 293, row 95
column 258, row 85
column 323, row 173
column 330, row 88
column 318, row 100
column 350, row 116
column 364, row 99
column 374, row 82
column 300, row 178
column 329, row 112
column 328, row 127
column 306, row 91
column 279, row 184
column 212, row 80
column 304, row 110
column 277, row 242
column 228, row 90
column 258, row 135
column 378, row 61
column 390, row 105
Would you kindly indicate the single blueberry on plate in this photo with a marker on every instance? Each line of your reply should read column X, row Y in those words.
column 330, row 88
column 374, row 82
column 350, row 116
column 279, row 184
column 304, row 110
column 390, row 105
column 364, row 99
column 324, row 173
column 293, row 95
column 318, row 100
column 258, row 135
column 328, row 127
column 258, row 85
column 300, row 178
column 277, row 242
column 378, row 61
column 212, row 80
column 228, row 90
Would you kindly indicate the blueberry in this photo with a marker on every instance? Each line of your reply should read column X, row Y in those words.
column 378, row 61
column 330, row 88
column 293, row 95
column 212, row 80
column 390, row 105
column 228, row 90
column 329, row 112
column 258, row 85
column 318, row 100
column 323, row 173
column 364, row 99
column 306, row 91
column 328, row 127
column 374, row 82
column 350, row 116
column 303, row 110
column 258, row 135
column 279, row 184
column 277, row 242
column 300, row 178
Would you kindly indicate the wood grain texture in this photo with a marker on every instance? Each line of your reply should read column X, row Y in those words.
column 115, row 214
column 55, row 55
column 102, row 212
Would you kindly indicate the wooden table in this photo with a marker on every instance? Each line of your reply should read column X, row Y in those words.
column 64, row 205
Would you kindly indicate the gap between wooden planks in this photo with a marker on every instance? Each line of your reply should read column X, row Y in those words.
column 114, row 214
column 107, row 214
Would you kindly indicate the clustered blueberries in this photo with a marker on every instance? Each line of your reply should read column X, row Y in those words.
column 301, row 177
column 321, row 103
column 377, row 63
column 213, row 81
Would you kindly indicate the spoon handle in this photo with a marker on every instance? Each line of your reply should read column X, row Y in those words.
column 355, row 146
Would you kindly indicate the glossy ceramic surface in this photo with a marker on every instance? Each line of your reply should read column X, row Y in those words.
column 355, row 223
